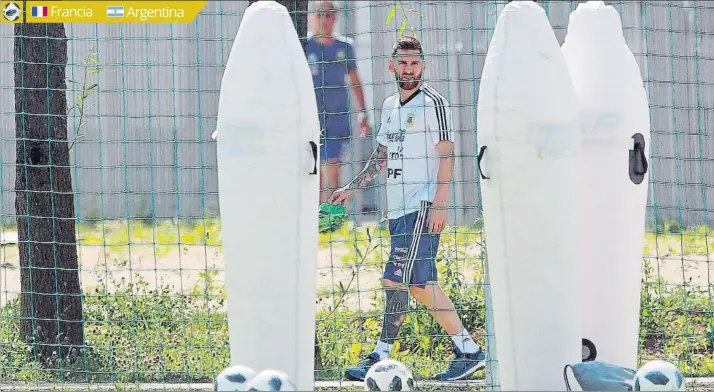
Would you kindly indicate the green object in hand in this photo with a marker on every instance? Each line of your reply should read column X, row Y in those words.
column 331, row 217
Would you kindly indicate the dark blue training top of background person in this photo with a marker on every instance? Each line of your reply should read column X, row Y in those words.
column 330, row 65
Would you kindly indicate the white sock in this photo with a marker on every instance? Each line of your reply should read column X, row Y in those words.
column 464, row 342
column 383, row 350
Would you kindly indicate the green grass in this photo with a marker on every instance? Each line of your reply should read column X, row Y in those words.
column 669, row 240
column 164, row 236
column 139, row 332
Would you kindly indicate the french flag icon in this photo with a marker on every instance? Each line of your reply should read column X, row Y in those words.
column 39, row 11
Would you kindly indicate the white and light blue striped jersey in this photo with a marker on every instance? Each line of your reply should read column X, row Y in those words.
column 411, row 130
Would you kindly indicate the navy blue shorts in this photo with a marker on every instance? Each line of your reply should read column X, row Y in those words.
column 333, row 147
column 414, row 249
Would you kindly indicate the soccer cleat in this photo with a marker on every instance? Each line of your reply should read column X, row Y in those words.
column 359, row 372
column 462, row 366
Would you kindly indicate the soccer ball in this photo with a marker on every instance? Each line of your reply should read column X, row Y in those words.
column 388, row 375
column 233, row 378
column 271, row 380
column 12, row 12
column 659, row 375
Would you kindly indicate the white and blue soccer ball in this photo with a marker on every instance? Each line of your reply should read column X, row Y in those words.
column 389, row 375
column 233, row 378
column 658, row 375
column 271, row 380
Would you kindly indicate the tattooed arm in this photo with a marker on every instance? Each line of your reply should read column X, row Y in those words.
column 376, row 162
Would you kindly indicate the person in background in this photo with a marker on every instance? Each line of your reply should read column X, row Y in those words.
column 415, row 144
column 333, row 64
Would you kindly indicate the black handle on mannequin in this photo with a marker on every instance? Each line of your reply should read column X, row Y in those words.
column 313, row 146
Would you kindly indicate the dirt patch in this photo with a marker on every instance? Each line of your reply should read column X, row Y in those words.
column 695, row 270
column 183, row 269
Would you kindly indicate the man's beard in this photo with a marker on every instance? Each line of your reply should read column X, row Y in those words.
column 410, row 84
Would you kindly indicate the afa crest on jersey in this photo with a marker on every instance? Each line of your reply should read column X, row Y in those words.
column 409, row 121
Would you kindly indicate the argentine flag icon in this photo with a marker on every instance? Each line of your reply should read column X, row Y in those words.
column 115, row 11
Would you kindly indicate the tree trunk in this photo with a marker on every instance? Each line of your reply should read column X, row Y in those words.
column 44, row 205
column 298, row 10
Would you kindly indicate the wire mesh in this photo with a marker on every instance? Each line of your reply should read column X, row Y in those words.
column 142, row 102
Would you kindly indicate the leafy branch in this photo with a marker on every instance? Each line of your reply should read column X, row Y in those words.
column 361, row 258
column 405, row 12
column 91, row 66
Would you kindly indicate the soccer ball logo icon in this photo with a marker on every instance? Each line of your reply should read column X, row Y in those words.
column 11, row 12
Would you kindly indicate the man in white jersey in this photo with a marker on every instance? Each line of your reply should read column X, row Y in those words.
column 415, row 144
